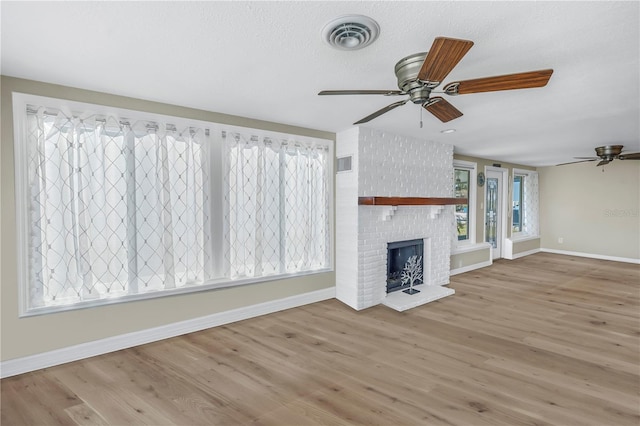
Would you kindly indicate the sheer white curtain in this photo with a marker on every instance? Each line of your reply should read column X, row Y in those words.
column 306, row 206
column 116, row 208
column 531, row 204
column 276, row 205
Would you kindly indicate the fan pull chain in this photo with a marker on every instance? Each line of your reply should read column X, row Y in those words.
column 420, row 118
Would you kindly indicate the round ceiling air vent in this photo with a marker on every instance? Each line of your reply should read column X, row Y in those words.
column 350, row 32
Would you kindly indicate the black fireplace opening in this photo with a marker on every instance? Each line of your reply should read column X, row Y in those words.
column 399, row 260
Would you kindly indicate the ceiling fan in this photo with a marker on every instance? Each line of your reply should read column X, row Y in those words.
column 607, row 154
column 420, row 73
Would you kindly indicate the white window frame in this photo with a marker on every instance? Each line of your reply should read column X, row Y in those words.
column 472, row 167
column 521, row 208
column 524, row 208
column 20, row 102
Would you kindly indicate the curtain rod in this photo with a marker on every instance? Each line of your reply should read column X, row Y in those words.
column 101, row 119
column 269, row 140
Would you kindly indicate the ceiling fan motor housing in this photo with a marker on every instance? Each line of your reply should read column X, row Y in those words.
column 407, row 70
column 609, row 151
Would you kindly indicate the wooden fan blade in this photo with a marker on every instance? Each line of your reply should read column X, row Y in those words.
column 362, row 92
column 442, row 109
column 523, row 80
column 633, row 156
column 444, row 55
column 576, row 162
column 381, row 111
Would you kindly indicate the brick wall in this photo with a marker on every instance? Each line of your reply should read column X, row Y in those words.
column 389, row 165
column 392, row 165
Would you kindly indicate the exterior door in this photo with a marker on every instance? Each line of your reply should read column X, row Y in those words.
column 494, row 217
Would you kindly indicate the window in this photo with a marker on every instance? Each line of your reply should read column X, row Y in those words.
column 464, row 187
column 113, row 208
column 524, row 213
column 462, row 210
column 277, row 205
column 517, row 203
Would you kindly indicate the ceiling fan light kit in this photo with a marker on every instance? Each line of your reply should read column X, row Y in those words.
column 350, row 32
column 419, row 74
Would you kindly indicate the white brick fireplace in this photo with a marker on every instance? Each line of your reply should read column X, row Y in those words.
column 388, row 165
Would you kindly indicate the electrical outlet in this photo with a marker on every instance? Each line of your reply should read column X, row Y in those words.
column 560, row 240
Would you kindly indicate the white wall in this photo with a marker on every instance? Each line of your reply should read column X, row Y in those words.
column 347, row 219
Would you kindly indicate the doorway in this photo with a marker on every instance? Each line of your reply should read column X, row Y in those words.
column 495, row 219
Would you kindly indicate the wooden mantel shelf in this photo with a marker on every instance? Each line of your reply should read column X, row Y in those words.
column 409, row 201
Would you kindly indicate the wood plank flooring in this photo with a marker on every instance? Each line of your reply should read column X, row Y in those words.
column 546, row 339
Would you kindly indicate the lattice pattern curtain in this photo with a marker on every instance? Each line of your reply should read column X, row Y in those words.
column 115, row 208
column 276, row 205
column 531, row 207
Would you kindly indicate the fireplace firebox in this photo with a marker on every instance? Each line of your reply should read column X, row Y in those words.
column 404, row 265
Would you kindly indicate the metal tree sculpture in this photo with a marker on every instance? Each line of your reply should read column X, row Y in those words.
column 411, row 273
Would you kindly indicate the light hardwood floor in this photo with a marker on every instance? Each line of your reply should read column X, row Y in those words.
column 546, row 339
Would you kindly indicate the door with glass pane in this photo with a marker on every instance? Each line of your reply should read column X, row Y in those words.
column 493, row 209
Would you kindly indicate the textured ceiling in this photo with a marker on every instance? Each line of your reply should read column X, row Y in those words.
column 266, row 60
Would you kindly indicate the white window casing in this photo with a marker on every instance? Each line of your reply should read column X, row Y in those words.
column 471, row 167
column 530, row 209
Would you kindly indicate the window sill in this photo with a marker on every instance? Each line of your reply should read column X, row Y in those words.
column 523, row 237
column 214, row 284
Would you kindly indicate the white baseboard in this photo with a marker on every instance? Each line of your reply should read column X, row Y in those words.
column 592, row 256
column 471, row 267
column 17, row 366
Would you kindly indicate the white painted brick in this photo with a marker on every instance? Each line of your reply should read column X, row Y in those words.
column 390, row 165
